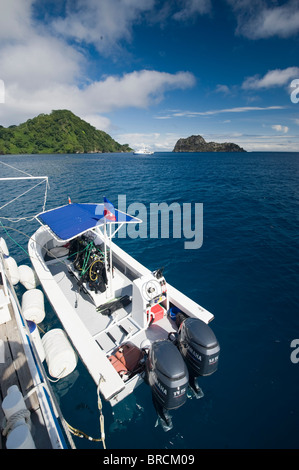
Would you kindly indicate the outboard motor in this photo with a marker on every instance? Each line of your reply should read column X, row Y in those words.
column 167, row 375
column 199, row 348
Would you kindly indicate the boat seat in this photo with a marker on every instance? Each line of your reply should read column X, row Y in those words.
column 127, row 359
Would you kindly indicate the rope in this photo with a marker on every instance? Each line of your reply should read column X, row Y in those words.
column 86, row 258
column 29, row 238
column 101, row 412
column 12, row 421
column 29, row 219
column 81, row 434
column 20, row 195
column 58, row 378
column 17, row 169
column 13, row 238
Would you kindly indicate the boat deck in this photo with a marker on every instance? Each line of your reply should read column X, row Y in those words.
column 15, row 371
column 95, row 334
column 109, row 331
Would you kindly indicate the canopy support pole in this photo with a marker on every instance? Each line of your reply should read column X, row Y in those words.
column 105, row 249
column 109, row 291
column 115, row 231
column 111, row 268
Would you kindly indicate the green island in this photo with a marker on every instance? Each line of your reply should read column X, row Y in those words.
column 61, row 131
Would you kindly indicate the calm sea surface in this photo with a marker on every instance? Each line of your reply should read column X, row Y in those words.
column 245, row 273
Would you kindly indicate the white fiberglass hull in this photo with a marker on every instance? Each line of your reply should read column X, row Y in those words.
column 94, row 335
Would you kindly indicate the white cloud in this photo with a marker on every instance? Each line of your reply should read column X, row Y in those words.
column 273, row 78
column 15, row 19
column 41, row 71
column 223, row 89
column 258, row 142
column 253, row 144
column 191, row 8
column 154, row 141
column 242, row 109
column 261, row 19
column 280, row 128
column 40, row 62
column 99, row 122
column 30, row 57
column 282, row 21
column 137, row 89
column 107, row 24
column 101, row 23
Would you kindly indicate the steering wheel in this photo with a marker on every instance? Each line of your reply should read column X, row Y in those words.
column 151, row 289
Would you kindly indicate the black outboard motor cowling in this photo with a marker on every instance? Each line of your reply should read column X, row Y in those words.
column 167, row 374
column 199, row 347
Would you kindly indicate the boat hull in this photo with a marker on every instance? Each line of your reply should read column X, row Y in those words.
column 29, row 377
column 94, row 335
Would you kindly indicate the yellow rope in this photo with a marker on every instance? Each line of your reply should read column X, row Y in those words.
column 82, row 434
column 101, row 412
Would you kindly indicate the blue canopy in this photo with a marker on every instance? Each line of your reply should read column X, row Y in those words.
column 69, row 221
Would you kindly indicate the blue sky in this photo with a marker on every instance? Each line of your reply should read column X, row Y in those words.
column 152, row 71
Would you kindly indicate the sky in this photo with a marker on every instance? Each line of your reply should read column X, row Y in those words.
column 153, row 71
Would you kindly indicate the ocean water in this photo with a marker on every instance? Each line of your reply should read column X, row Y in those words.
column 245, row 273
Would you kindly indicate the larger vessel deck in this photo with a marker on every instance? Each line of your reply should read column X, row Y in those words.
column 14, row 370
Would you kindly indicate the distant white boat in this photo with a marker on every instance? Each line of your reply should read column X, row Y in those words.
column 143, row 151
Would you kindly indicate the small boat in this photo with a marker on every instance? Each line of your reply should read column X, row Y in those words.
column 127, row 324
column 143, row 151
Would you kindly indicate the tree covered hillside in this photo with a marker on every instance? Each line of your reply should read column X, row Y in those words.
column 58, row 132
